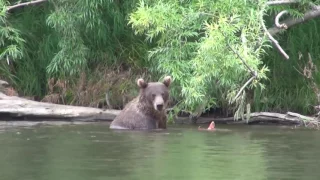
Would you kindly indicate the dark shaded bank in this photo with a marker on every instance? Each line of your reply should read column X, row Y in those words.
column 18, row 109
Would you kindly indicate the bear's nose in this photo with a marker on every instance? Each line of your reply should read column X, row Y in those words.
column 159, row 107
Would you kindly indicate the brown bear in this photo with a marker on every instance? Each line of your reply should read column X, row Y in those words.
column 148, row 110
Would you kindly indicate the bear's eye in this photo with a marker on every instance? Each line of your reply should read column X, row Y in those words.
column 153, row 95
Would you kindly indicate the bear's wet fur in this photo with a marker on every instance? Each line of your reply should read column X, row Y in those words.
column 148, row 109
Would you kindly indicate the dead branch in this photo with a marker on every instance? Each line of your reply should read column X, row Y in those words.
column 282, row 2
column 315, row 12
column 276, row 21
column 9, row 8
column 276, row 43
column 4, row 83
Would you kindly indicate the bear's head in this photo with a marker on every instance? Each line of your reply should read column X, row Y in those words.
column 155, row 94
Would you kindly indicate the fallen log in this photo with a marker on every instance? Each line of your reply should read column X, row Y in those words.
column 20, row 109
column 16, row 108
column 289, row 118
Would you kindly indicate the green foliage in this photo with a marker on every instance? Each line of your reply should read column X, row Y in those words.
column 192, row 45
column 11, row 43
column 69, row 22
column 64, row 38
column 39, row 49
column 90, row 30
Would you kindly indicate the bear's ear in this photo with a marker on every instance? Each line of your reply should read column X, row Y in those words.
column 141, row 83
column 167, row 81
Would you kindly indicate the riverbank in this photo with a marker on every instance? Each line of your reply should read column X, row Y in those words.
column 13, row 108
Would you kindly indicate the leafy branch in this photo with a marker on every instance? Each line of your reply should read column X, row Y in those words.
column 253, row 73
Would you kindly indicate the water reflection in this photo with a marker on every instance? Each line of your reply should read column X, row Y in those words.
column 92, row 151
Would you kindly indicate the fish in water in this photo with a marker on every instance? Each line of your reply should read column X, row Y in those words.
column 210, row 128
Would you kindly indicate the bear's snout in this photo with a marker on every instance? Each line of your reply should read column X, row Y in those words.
column 159, row 107
column 158, row 103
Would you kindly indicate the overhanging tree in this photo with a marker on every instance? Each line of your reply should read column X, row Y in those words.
column 212, row 48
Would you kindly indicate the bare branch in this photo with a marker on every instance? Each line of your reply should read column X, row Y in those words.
column 276, row 43
column 254, row 73
column 276, row 21
column 313, row 6
column 315, row 12
column 282, row 2
column 9, row 8
column 242, row 88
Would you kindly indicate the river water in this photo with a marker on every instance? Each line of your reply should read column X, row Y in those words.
column 94, row 152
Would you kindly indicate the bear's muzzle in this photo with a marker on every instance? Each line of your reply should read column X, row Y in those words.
column 158, row 103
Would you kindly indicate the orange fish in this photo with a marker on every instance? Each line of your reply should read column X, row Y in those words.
column 211, row 126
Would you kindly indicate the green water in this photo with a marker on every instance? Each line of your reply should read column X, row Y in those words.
column 93, row 152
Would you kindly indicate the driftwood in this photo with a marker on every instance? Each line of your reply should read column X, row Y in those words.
column 16, row 108
column 289, row 118
column 20, row 109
